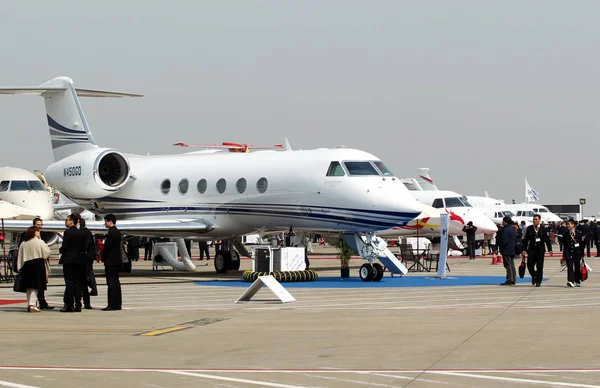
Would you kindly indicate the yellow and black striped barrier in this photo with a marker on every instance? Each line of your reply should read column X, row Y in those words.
column 283, row 276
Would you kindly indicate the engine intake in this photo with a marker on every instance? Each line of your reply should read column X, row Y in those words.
column 113, row 169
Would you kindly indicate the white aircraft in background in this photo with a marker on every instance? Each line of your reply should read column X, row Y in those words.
column 23, row 188
column 217, row 194
column 453, row 203
column 528, row 210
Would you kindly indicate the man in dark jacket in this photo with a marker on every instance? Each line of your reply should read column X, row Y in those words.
column 585, row 230
column 509, row 242
column 470, row 230
column 573, row 253
column 88, row 277
column 72, row 257
column 536, row 238
column 111, row 257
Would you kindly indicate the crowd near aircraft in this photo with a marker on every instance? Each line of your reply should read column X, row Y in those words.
column 219, row 195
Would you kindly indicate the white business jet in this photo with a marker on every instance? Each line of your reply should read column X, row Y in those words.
column 217, row 194
column 453, row 203
column 23, row 188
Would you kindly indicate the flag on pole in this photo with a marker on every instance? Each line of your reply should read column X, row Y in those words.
column 530, row 193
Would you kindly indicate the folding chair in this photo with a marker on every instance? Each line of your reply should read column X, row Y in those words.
column 408, row 255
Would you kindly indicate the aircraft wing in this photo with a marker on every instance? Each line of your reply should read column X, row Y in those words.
column 146, row 228
column 75, row 208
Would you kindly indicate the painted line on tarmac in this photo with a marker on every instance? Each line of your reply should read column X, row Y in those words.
column 14, row 385
column 236, row 380
column 307, row 370
column 168, row 330
column 181, row 327
column 515, row 380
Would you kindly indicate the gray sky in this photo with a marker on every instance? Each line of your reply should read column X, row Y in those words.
column 482, row 92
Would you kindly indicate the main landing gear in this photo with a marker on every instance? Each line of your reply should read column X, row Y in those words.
column 226, row 258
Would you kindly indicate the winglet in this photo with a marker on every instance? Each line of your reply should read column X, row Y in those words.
column 286, row 145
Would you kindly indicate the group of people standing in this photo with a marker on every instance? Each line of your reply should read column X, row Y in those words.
column 77, row 254
column 533, row 243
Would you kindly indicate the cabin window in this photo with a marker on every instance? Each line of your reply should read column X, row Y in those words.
column 165, row 186
column 19, row 186
column 201, row 186
column 262, row 185
column 438, row 203
column 4, row 185
column 382, row 168
column 183, row 186
column 240, row 185
column 221, row 185
column 335, row 169
column 360, row 168
column 36, row 185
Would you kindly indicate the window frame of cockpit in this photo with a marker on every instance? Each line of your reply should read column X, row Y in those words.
column 373, row 166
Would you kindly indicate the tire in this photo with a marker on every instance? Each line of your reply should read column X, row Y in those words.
column 222, row 261
column 366, row 272
column 379, row 268
column 234, row 263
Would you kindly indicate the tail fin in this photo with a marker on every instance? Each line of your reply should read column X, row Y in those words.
column 425, row 180
column 69, row 130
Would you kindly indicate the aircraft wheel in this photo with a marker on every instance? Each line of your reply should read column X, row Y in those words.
column 366, row 272
column 234, row 263
column 379, row 275
column 222, row 261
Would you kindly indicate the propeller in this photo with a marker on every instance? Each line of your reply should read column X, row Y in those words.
column 232, row 147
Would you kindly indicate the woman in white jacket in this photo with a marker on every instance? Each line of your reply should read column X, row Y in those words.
column 31, row 264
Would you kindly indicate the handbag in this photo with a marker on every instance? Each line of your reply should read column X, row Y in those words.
column 522, row 268
column 584, row 271
column 19, row 285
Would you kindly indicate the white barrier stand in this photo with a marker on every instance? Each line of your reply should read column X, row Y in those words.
column 444, row 221
column 281, row 293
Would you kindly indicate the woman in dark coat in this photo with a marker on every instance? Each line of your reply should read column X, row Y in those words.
column 31, row 264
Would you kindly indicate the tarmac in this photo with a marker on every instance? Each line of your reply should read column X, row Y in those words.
column 181, row 329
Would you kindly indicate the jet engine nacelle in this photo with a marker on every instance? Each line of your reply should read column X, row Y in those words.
column 50, row 238
column 90, row 174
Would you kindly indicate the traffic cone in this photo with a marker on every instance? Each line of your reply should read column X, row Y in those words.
column 493, row 260
column 499, row 259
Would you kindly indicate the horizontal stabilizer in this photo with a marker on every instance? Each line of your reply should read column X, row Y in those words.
column 38, row 90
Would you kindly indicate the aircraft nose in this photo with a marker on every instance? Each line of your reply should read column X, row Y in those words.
column 486, row 225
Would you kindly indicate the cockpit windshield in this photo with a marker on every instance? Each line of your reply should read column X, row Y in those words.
column 382, row 168
column 19, row 186
column 457, row 202
column 360, row 168
column 22, row 186
column 36, row 185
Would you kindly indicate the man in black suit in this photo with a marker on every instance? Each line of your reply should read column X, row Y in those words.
column 573, row 240
column 111, row 257
column 536, row 238
column 509, row 243
column 584, row 228
column 73, row 259
column 470, row 230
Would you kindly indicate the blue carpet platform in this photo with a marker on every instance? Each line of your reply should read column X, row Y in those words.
column 386, row 282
